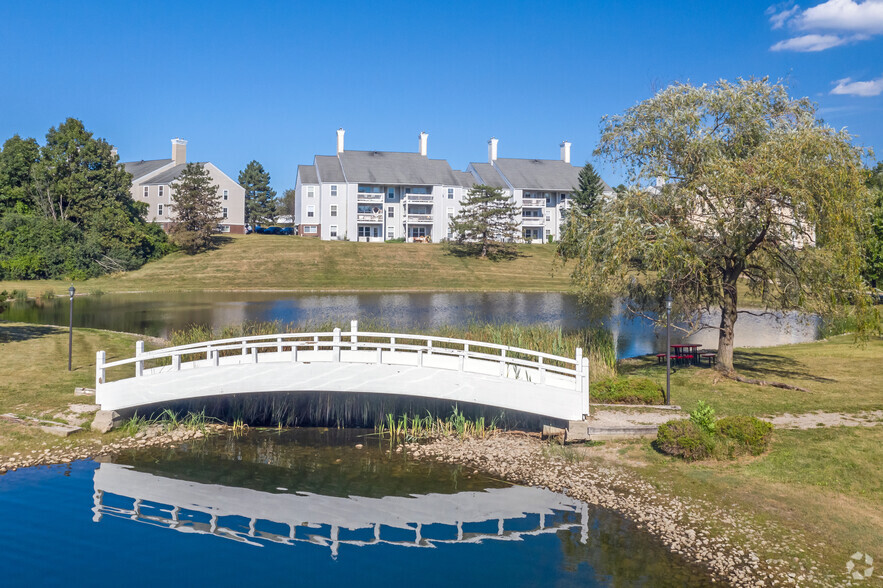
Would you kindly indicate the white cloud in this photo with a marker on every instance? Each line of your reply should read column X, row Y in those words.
column 848, row 87
column 844, row 15
column 807, row 43
column 829, row 24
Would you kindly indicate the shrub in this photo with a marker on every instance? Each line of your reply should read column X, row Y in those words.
column 685, row 439
column 627, row 391
column 750, row 434
column 703, row 417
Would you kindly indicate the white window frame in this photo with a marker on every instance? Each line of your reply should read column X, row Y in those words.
column 311, row 211
column 390, row 233
column 310, row 229
column 333, row 231
column 226, row 194
column 146, row 191
column 332, row 210
column 391, row 194
column 159, row 191
column 224, row 212
column 311, row 192
column 450, row 193
column 390, row 212
column 159, row 210
column 334, row 189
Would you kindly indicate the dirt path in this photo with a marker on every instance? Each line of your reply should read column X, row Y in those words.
column 614, row 417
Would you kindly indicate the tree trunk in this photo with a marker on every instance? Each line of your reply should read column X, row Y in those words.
column 729, row 313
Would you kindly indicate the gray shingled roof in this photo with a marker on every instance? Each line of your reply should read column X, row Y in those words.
column 139, row 169
column 391, row 169
column 168, row 176
column 539, row 174
column 307, row 174
column 465, row 179
column 489, row 175
column 328, row 168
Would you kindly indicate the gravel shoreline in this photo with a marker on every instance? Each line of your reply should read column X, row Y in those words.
column 705, row 533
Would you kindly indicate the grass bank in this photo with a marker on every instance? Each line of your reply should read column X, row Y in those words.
column 274, row 262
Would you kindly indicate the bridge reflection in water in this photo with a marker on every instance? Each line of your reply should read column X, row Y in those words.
column 253, row 516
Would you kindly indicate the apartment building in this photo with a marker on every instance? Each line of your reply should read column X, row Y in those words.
column 541, row 188
column 374, row 196
column 152, row 183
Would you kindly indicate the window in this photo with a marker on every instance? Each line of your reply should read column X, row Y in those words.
column 333, row 230
column 364, row 189
column 391, row 193
column 548, row 217
column 391, row 212
column 226, row 194
column 333, row 209
column 450, row 193
column 310, row 229
column 146, row 191
column 390, row 233
column 223, row 228
column 224, row 211
column 159, row 191
column 364, row 231
column 311, row 191
column 311, row 211
column 548, row 200
column 333, row 190
column 159, row 210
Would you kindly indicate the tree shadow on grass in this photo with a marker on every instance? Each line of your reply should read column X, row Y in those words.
column 771, row 365
column 14, row 333
column 465, row 250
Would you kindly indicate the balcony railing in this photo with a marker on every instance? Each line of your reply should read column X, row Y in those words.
column 533, row 202
column 362, row 197
column 418, row 198
column 419, row 218
column 532, row 221
column 370, row 217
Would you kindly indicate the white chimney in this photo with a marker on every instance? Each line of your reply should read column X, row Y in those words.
column 179, row 151
column 340, row 133
column 113, row 152
column 565, row 151
column 492, row 150
column 422, row 136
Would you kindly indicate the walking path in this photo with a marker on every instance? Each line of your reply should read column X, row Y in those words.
column 629, row 417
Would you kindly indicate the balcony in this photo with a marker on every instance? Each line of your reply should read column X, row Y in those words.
column 533, row 202
column 362, row 197
column 418, row 198
column 419, row 218
column 532, row 221
column 370, row 217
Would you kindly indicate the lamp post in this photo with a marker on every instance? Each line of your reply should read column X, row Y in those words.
column 668, row 350
column 70, row 331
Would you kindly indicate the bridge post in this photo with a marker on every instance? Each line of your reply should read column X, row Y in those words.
column 503, row 372
column 392, row 343
column 279, row 344
column 254, row 355
column 585, row 390
column 462, row 365
column 294, row 353
column 176, row 362
column 139, row 365
column 578, row 365
column 419, row 358
column 100, row 358
column 244, row 348
column 354, row 338
column 216, row 357
column 542, row 370
column 336, row 344
column 379, row 355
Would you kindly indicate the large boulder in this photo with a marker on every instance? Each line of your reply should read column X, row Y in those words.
column 106, row 420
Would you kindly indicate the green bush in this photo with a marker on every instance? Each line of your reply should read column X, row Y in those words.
column 703, row 417
column 749, row 434
column 685, row 439
column 627, row 391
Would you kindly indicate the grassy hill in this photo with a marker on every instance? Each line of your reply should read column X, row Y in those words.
column 272, row 262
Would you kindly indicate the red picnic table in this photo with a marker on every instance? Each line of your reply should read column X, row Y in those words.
column 688, row 352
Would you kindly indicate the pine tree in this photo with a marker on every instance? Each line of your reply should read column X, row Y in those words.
column 590, row 189
column 260, row 203
column 196, row 209
column 487, row 223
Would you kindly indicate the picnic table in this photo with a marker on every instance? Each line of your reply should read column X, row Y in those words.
column 688, row 352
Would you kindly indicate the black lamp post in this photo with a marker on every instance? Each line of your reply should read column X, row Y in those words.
column 668, row 349
column 70, row 331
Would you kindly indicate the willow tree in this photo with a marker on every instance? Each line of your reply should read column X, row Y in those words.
column 749, row 192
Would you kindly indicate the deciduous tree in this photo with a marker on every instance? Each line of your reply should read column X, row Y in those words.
column 196, row 209
column 759, row 195
column 874, row 241
column 486, row 224
column 260, row 203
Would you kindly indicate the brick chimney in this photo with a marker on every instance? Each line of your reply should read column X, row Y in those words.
column 179, row 151
column 565, row 151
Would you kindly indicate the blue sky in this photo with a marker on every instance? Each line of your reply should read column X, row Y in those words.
column 273, row 81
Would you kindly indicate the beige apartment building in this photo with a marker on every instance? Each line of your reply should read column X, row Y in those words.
column 152, row 184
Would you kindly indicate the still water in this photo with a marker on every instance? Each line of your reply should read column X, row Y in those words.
column 305, row 507
column 157, row 314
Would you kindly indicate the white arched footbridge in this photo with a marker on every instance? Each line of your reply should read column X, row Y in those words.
column 366, row 362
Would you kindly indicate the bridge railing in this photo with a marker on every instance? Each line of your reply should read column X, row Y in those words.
column 387, row 348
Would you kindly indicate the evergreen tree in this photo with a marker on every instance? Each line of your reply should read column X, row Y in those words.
column 196, row 209
column 487, row 223
column 260, row 203
column 590, row 189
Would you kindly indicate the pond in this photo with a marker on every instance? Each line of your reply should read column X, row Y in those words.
column 157, row 314
column 306, row 507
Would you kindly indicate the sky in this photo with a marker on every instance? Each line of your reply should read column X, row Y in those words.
column 273, row 81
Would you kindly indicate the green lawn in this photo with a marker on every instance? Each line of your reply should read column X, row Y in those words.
column 273, row 262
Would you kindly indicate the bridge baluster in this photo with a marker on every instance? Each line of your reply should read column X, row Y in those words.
column 208, row 352
column 279, row 344
column 419, row 358
column 139, row 365
column 294, row 353
column 176, row 362
column 542, row 370
column 336, row 343
column 392, row 343
column 429, row 347
column 503, row 371
column 579, row 369
column 316, row 342
column 244, row 348
column 100, row 372
column 354, row 338
column 254, row 355
column 379, row 355
column 216, row 357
